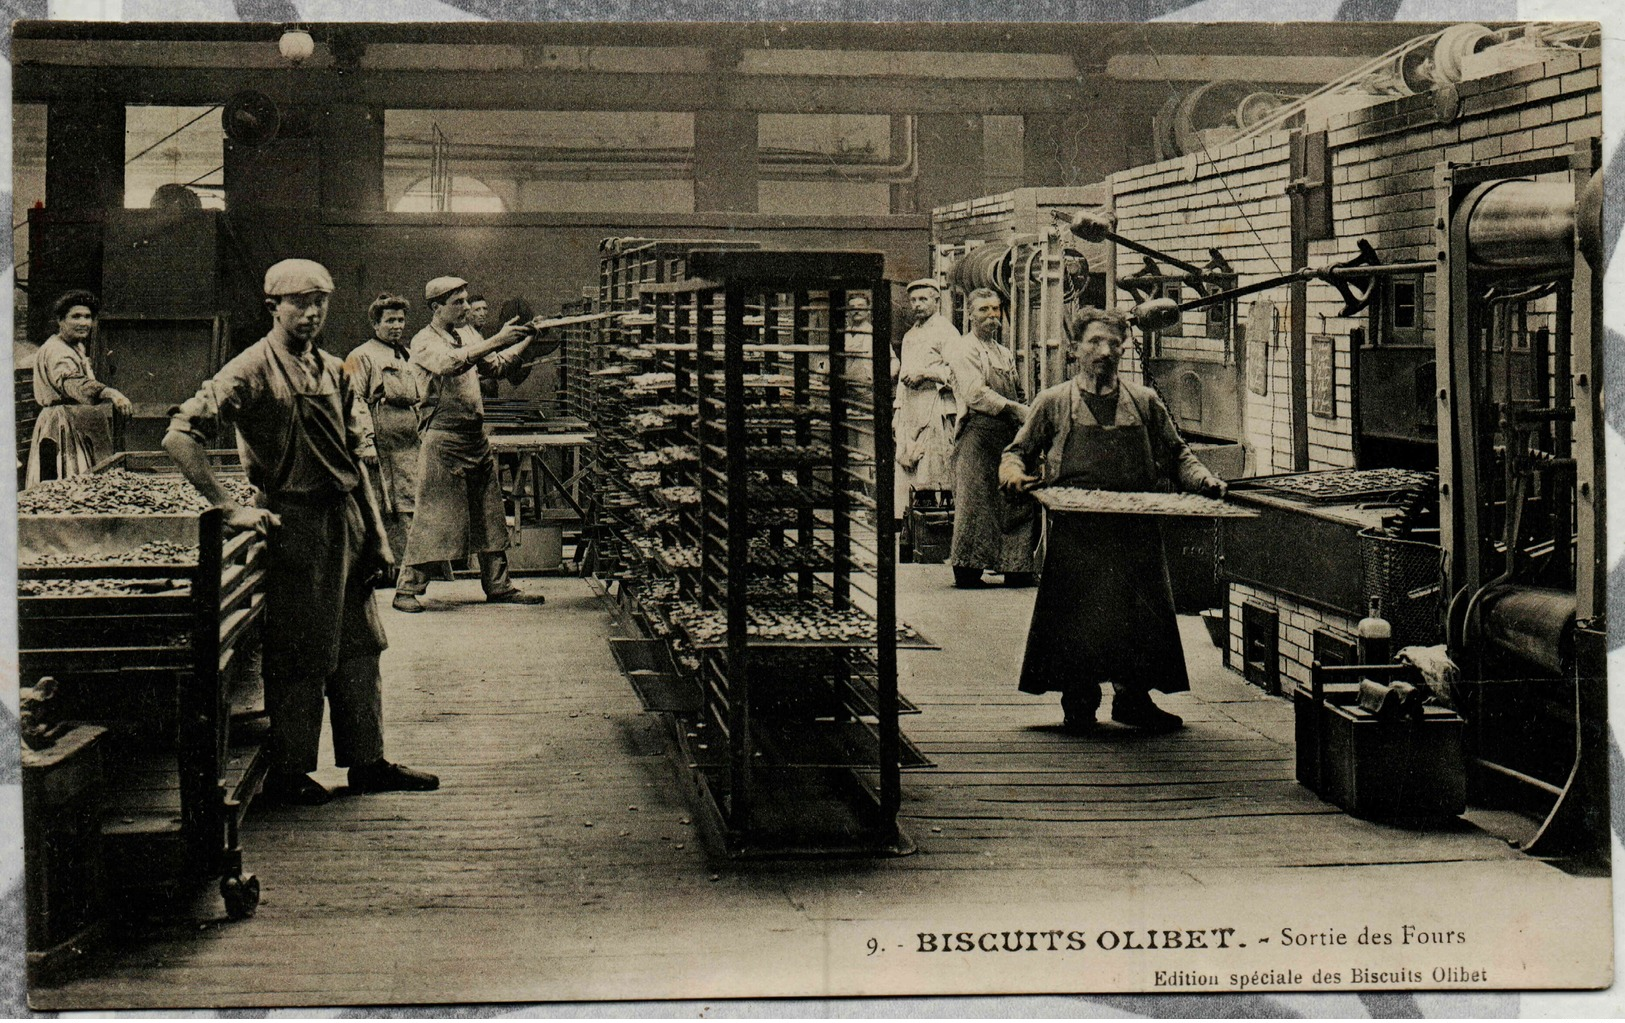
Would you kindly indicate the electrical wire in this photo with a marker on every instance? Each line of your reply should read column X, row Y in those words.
column 1236, row 202
column 171, row 135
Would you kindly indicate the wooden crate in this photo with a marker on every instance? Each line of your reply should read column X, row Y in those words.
column 163, row 672
column 63, row 794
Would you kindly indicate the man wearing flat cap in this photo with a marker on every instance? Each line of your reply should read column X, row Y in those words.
column 923, row 409
column 301, row 446
column 459, row 501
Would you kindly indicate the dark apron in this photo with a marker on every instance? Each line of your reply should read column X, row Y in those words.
column 1105, row 606
column 319, row 607
column 994, row 529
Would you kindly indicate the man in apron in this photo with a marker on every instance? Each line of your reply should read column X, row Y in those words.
column 1105, row 607
column 72, row 432
column 387, row 391
column 994, row 530
column 300, row 443
column 459, row 499
column 923, row 409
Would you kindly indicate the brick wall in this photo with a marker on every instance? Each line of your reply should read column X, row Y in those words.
column 1383, row 160
column 1296, row 624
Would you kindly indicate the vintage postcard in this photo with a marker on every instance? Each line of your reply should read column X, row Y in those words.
column 555, row 511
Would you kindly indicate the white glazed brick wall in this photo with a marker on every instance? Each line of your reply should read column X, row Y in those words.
column 1384, row 160
column 1296, row 625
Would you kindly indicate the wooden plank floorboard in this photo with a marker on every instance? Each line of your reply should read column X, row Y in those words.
column 494, row 887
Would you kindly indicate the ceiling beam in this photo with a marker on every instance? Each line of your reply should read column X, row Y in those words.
column 1073, row 37
column 542, row 90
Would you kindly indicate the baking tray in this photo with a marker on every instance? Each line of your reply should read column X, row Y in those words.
column 1117, row 502
column 1338, row 486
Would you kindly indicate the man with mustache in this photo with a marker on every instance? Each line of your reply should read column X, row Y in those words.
column 1105, row 607
column 993, row 531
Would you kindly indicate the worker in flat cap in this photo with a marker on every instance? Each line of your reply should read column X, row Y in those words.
column 923, row 405
column 292, row 407
column 459, row 500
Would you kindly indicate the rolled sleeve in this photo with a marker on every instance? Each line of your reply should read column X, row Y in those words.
column 66, row 374
column 218, row 402
column 1034, row 438
column 970, row 379
column 197, row 416
column 435, row 356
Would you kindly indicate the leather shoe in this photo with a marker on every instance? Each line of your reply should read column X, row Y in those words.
column 515, row 597
column 968, row 578
column 1143, row 714
column 1079, row 725
column 408, row 603
column 1020, row 580
column 383, row 776
column 293, row 790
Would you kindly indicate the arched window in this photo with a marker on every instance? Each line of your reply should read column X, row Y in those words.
column 459, row 194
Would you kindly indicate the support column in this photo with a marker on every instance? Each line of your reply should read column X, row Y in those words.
column 84, row 155
column 950, row 159
column 725, row 174
column 352, row 157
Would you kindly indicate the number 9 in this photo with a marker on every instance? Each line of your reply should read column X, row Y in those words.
column 874, row 946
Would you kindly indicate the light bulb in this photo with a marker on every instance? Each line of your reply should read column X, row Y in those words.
column 296, row 45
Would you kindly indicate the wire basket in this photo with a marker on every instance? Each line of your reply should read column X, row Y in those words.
column 1408, row 577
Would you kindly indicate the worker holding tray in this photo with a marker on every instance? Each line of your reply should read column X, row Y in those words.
column 1105, row 606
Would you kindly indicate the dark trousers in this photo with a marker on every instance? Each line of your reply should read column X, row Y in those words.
column 493, row 575
column 354, row 693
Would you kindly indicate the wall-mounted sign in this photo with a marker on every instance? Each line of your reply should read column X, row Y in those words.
column 1260, row 337
column 1323, row 376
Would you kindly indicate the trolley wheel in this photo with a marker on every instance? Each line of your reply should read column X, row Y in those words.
column 242, row 895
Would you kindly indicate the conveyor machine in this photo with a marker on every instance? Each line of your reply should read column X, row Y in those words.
column 1521, row 432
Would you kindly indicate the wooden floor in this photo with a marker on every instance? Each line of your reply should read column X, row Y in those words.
column 559, row 861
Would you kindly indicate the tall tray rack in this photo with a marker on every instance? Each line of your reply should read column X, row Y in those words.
column 626, row 266
column 796, row 746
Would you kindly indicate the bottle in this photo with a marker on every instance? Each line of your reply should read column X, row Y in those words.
column 1374, row 636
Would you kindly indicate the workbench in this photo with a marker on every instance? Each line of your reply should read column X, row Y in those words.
column 544, row 472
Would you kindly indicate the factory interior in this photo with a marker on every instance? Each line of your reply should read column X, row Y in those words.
column 770, row 699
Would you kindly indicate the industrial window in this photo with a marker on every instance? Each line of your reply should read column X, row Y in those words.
column 173, row 156
column 1399, row 310
column 453, row 194
column 538, row 161
column 831, row 164
column 27, row 188
column 1177, row 293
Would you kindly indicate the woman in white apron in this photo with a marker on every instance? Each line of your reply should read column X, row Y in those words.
column 73, row 431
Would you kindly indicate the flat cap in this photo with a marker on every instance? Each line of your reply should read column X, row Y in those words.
column 925, row 282
column 442, row 286
column 297, row 276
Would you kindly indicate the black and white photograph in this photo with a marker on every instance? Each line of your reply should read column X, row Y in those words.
column 1094, row 509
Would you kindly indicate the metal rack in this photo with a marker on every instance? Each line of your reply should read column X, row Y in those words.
column 784, row 596
column 165, row 665
column 626, row 268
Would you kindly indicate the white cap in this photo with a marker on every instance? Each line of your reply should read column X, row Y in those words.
column 296, row 277
column 442, row 286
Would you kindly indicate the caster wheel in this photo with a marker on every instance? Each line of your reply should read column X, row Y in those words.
column 242, row 895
